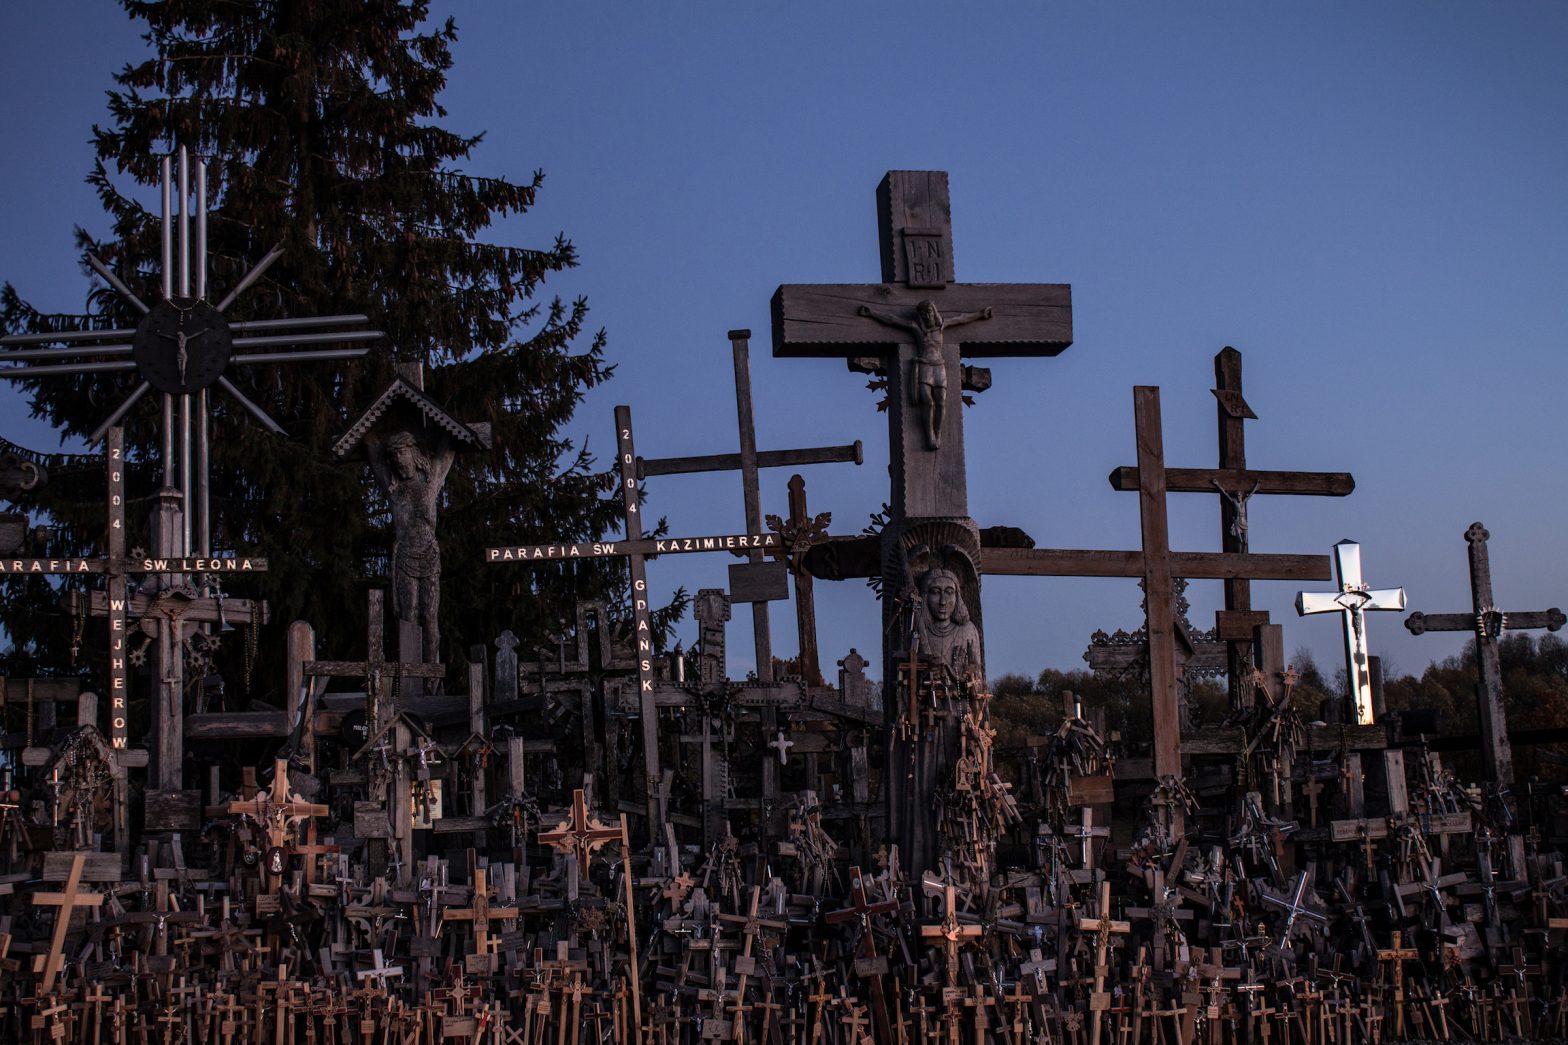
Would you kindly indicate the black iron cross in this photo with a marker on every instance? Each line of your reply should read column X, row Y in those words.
column 1488, row 623
column 916, row 327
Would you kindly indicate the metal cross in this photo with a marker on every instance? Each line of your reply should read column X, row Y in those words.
column 183, row 345
column 1352, row 601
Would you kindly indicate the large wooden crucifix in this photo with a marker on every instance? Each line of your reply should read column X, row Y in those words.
column 635, row 549
column 1158, row 566
column 1487, row 623
column 916, row 327
column 1236, row 484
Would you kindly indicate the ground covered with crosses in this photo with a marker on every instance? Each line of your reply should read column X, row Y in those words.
column 590, row 841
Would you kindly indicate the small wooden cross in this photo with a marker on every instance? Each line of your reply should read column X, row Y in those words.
column 578, row 834
column 951, row 932
column 481, row 912
column 67, row 900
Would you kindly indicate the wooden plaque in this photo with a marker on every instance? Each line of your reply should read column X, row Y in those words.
column 172, row 811
column 759, row 582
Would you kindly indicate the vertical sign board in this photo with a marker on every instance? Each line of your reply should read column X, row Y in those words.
column 114, row 456
column 640, row 624
column 644, row 630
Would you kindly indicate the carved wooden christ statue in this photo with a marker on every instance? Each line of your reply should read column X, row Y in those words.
column 928, row 370
column 410, row 443
column 411, row 468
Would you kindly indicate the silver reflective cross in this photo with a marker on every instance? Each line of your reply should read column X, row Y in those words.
column 1351, row 601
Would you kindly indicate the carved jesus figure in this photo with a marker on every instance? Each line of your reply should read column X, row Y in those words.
column 411, row 472
column 928, row 371
column 946, row 631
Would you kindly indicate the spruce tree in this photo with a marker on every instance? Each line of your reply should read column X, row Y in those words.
column 323, row 126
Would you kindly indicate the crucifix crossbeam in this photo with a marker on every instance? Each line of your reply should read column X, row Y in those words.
column 1487, row 623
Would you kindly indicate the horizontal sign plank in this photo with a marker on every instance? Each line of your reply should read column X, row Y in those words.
column 728, row 542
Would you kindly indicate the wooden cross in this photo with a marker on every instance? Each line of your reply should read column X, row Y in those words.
column 860, row 911
column 951, row 932
column 1487, row 623
column 481, row 912
column 1086, row 834
column 1158, row 565
column 375, row 669
column 1236, row 484
column 279, row 810
column 578, row 834
column 67, row 900
column 1102, row 926
column 917, row 326
column 635, row 549
column 1351, row 602
column 1397, row 956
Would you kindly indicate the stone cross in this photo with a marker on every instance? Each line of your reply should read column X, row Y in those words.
column 1351, row 602
column 1487, row 623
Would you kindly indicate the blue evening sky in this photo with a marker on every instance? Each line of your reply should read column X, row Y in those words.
column 1366, row 199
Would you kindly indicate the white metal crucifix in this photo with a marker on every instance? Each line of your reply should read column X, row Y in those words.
column 1352, row 601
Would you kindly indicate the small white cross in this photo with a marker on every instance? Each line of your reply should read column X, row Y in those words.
column 782, row 746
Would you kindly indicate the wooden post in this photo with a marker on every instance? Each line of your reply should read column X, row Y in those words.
column 1158, row 592
column 805, row 598
column 299, row 691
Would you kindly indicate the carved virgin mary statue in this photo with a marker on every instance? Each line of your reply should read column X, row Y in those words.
column 943, row 623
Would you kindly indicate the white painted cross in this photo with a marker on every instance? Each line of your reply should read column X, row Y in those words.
column 1352, row 601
